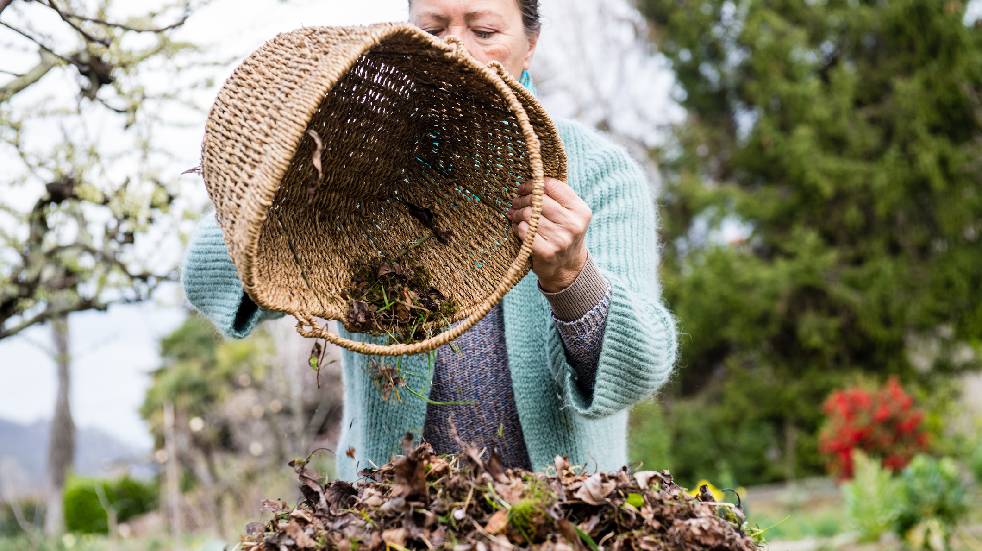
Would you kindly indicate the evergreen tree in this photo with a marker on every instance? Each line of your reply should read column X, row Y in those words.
column 843, row 137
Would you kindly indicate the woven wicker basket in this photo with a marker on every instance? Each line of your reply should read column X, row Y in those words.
column 402, row 117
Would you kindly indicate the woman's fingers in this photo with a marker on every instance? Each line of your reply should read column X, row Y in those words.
column 558, row 250
column 558, row 190
column 522, row 209
column 549, row 240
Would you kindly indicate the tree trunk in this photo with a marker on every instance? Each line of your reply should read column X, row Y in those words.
column 61, row 446
column 790, row 449
column 172, row 473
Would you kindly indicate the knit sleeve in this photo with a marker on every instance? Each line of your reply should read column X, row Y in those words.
column 638, row 349
column 212, row 285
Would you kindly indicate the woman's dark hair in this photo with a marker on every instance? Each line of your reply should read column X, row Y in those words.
column 530, row 15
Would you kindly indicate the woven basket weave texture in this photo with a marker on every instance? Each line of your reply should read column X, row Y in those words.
column 401, row 119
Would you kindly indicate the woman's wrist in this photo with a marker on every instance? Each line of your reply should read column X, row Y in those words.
column 562, row 277
column 586, row 289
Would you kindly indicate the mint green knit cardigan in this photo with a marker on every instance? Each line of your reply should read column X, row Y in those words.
column 637, row 356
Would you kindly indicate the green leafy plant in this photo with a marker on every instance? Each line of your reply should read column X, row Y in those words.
column 86, row 510
column 931, row 497
column 975, row 462
column 871, row 497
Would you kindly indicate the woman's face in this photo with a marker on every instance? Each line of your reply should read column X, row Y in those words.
column 491, row 30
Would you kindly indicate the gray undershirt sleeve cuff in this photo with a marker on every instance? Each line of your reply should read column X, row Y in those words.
column 580, row 314
column 581, row 296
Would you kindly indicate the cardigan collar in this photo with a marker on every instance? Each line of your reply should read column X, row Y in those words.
column 526, row 81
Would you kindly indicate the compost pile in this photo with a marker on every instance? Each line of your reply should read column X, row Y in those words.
column 394, row 299
column 421, row 500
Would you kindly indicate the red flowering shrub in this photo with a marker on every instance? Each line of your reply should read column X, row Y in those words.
column 883, row 423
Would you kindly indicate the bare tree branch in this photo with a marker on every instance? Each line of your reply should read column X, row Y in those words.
column 20, row 83
column 125, row 27
column 84, row 304
column 36, row 41
column 79, row 29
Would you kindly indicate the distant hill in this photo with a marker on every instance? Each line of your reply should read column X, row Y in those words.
column 23, row 456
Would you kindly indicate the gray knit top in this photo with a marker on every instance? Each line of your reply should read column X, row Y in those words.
column 478, row 375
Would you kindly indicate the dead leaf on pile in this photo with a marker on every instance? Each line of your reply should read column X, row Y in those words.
column 496, row 468
column 594, row 490
column 300, row 514
column 273, row 506
column 394, row 505
column 510, row 490
column 564, row 472
column 497, row 523
column 395, row 536
column 339, row 496
column 302, row 540
column 310, row 485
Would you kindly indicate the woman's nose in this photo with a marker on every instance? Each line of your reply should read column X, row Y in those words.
column 461, row 35
column 454, row 32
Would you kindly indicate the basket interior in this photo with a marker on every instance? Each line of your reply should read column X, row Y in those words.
column 407, row 124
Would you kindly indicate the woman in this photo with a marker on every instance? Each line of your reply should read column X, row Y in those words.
column 553, row 369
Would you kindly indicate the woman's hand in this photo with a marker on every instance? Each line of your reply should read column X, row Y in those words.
column 559, row 249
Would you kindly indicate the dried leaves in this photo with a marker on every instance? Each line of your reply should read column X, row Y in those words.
column 423, row 500
column 390, row 298
column 594, row 491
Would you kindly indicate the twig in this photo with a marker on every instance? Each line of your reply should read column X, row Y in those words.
column 38, row 42
column 105, row 42
column 111, row 513
column 52, row 313
column 12, row 88
column 125, row 27
column 434, row 403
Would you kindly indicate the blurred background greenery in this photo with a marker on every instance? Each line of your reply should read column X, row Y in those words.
column 821, row 211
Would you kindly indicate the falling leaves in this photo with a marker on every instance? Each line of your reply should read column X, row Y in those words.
column 390, row 298
column 424, row 500
column 316, row 360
